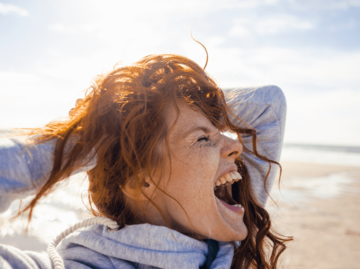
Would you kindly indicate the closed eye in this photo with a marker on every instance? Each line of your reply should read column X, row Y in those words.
column 203, row 138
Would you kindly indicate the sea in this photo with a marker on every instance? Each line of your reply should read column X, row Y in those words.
column 67, row 205
column 322, row 154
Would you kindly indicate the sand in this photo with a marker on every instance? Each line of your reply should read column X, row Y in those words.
column 325, row 228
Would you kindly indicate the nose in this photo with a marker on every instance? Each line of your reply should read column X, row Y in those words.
column 231, row 148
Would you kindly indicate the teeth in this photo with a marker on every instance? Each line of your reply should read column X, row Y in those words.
column 228, row 178
column 238, row 205
column 233, row 176
column 237, row 174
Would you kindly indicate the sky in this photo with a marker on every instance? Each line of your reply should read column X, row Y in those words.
column 51, row 50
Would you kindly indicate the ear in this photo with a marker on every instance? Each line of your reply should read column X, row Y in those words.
column 147, row 189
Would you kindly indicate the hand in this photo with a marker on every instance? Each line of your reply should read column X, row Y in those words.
column 78, row 101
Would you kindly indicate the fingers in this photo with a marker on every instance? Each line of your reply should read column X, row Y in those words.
column 71, row 112
column 77, row 103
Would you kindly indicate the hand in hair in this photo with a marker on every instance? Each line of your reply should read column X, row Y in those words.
column 77, row 102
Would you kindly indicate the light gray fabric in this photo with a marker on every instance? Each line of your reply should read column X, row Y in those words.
column 23, row 169
column 265, row 111
column 165, row 248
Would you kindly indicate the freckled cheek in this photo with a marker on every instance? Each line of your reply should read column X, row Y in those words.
column 208, row 162
column 194, row 173
column 203, row 157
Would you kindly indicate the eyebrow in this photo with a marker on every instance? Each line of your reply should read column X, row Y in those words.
column 198, row 128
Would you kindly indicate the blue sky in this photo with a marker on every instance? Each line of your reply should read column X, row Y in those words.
column 50, row 51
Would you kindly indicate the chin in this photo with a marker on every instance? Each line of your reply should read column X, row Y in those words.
column 230, row 223
column 234, row 235
column 240, row 236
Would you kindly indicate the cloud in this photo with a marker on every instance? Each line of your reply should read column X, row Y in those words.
column 176, row 6
column 30, row 100
column 6, row 78
column 118, row 17
column 117, row 32
column 302, row 70
column 282, row 23
column 9, row 8
column 324, row 4
column 330, row 69
column 248, row 26
column 321, row 86
column 324, row 117
column 73, row 29
column 271, row 2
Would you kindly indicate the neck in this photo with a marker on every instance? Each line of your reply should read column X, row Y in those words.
column 150, row 212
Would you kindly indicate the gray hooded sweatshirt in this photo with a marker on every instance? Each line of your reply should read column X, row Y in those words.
column 143, row 246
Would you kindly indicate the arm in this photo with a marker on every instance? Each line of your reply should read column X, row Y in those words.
column 265, row 111
column 13, row 258
column 25, row 167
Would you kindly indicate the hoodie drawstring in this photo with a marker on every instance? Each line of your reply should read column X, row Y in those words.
column 54, row 255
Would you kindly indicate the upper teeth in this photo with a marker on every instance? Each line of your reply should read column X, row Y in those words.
column 229, row 178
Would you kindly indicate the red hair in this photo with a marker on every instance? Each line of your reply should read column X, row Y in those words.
column 122, row 118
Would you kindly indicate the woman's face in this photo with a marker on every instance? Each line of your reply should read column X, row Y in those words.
column 199, row 156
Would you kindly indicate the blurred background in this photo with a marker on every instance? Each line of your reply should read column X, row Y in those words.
column 51, row 50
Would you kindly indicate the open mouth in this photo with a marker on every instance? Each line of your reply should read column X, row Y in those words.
column 223, row 190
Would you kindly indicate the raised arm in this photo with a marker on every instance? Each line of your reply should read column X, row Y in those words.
column 265, row 111
column 24, row 168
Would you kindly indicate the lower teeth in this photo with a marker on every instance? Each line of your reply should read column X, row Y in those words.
column 237, row 205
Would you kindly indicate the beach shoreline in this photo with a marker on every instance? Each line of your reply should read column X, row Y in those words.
column 325, row 229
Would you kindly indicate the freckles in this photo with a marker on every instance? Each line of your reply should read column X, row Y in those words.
column 194, row 171
column 203, row 161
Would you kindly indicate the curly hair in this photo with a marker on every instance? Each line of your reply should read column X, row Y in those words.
column 122, row 118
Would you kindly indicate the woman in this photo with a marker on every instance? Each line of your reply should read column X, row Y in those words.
column 183, row 195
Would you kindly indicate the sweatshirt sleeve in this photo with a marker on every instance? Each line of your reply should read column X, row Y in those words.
column 13, row 258
column 25, row 167
column 264, row 109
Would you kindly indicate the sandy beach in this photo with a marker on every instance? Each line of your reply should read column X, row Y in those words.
column 324, row 222
column 317, row 205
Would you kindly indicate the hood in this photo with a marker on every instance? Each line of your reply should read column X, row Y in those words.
column 155, row 246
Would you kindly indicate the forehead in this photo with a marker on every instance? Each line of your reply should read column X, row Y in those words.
column 187, row 117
